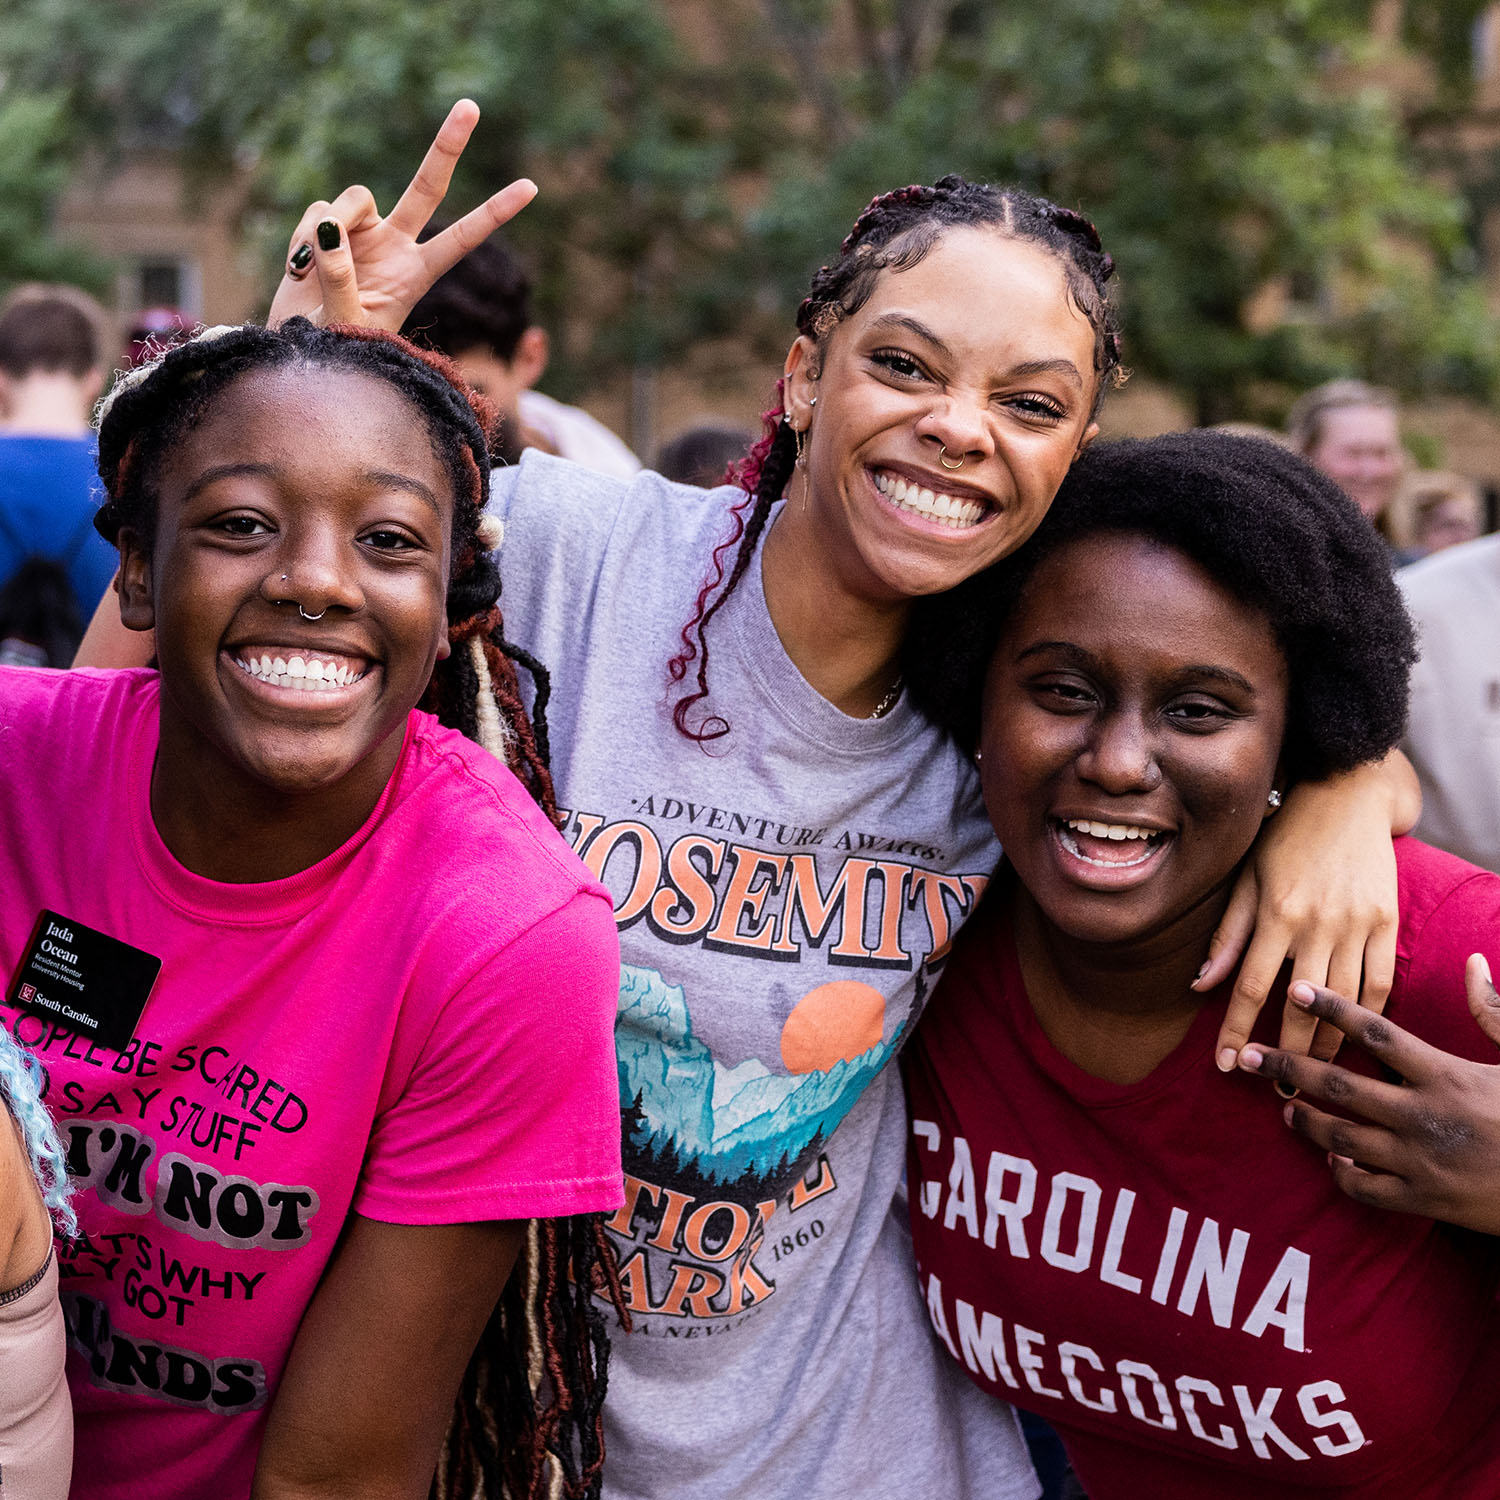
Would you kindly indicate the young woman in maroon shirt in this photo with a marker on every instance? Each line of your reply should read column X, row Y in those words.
column 1110, row 1232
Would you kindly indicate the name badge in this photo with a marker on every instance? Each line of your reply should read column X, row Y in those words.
column 93, row 984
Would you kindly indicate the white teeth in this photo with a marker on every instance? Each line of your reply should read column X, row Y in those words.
column 946, row 510
column 301, row 674
column 1070, row 844
column 1116, row 831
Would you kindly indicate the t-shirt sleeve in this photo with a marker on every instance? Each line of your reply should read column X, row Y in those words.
column 559, row 518
column 1431, row 1001
column 511, row 1110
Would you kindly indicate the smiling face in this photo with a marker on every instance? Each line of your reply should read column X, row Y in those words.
column 1133, row 719
column 1359, row 448
column 301, row 485
column 949, row 407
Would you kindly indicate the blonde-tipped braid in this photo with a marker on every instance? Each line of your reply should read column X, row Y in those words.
column 495, row 732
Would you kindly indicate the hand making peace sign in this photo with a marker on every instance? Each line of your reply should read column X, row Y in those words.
column 394, row 269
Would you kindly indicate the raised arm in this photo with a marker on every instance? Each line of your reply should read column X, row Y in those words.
column 347, row 264
column 1320, row 891
column 364, row 1402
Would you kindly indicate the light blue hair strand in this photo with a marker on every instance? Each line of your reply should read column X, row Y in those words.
column 20, row 1090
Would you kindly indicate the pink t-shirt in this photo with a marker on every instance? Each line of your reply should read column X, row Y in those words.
column 1169, row 1275
column 418, row 1029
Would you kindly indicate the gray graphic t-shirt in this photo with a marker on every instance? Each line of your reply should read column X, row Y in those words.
column 785, row 897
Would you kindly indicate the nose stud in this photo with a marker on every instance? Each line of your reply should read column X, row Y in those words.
column 943, row 458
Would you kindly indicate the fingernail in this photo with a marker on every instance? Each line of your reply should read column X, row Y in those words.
column 328, row 239
column 300, row 258
column 1251, row 1059
column 1287, row 1092
column 1484, row 963
column 1226, row 1057
column 1301, row 993
column 1198, row 977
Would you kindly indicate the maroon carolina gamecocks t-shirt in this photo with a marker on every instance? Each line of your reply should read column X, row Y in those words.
column 1167, row 1273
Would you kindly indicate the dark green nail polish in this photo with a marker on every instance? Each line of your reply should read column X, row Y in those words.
column 328, row 234
column 301, row 257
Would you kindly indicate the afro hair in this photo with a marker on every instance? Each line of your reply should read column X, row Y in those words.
column 1269, row 529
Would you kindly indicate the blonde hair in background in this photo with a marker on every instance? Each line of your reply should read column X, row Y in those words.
column 1421, row 493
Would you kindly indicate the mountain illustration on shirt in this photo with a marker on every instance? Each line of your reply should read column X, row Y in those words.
column 749, row 1131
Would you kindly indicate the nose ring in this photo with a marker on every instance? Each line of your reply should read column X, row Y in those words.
column 307, row 616
column 943, row 460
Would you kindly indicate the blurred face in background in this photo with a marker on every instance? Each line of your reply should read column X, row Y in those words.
column 1359, row 448
column 1447, row 522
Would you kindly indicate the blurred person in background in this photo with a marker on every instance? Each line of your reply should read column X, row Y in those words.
column 1453, row 736
column 702, row 455
column 1351, row 430
column 54, row 567
column 1436, row 509
column 479, row 315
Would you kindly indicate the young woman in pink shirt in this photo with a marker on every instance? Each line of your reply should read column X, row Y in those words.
column 323, row 1000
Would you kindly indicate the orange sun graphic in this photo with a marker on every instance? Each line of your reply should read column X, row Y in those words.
column 835, row 1022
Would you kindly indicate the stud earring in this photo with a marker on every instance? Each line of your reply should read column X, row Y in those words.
column 1273, row 799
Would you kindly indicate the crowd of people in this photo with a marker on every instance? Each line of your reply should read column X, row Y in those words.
column 850, row 943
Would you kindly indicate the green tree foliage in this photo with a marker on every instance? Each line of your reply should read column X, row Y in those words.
column 594, row 98
column 1259, row 190
column 1226, row 148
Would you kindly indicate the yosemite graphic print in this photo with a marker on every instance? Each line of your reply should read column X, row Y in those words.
column 731, row 1112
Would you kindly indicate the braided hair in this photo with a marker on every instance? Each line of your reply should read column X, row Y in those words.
column 528, row 1420
column 894, row 232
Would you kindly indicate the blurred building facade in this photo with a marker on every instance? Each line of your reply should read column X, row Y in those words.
column 174, row 242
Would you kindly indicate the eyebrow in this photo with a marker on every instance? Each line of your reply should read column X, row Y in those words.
column 1081, row 658
column 1064, row 367
column 385, row 478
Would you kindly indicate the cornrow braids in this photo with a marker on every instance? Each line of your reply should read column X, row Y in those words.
column 528, row 1420
column 894, row 232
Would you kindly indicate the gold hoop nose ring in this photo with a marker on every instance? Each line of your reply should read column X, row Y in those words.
column 943, row 458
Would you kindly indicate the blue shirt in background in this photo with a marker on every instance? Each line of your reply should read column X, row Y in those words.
column 49, row 491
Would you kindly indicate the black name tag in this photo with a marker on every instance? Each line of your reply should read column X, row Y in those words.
column 93, row 984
